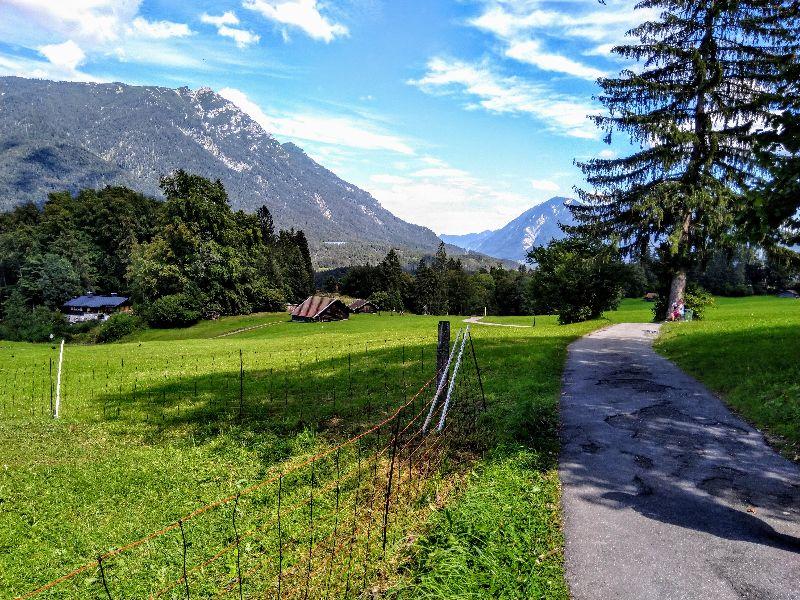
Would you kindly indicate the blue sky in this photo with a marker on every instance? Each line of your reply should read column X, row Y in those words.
column 455, row 114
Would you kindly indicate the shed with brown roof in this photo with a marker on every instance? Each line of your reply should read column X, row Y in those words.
column 321, row 308
column 363, row 306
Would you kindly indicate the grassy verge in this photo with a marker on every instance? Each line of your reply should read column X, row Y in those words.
column 747, row 350
column 153, row 428
column 501, row 537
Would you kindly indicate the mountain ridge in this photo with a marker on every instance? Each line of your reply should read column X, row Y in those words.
column 69, row 135
column 537, row 226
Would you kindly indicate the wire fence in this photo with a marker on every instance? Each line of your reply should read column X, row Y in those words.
column 382, row 478
column 330, row 525
column 307, row 382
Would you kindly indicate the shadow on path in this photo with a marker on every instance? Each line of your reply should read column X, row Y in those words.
column 666, row 494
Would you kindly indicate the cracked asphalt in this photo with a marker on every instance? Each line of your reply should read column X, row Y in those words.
column 665, row 493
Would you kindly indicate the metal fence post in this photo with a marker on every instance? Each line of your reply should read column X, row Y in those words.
column 442, row 350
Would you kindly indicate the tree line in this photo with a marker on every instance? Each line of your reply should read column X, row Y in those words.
column 182, row 259
column 436, row 285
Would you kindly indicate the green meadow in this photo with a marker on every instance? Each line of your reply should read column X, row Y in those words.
column 166, row 422
column 748, row 351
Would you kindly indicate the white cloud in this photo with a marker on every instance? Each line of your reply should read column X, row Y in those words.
column 158, row 29
column 326, row 129
column 521, row 25
column 441, row 172
column 607, row 154
column 385, row 178
column 302, row 14
column 543, row 185
column 242, row 37
column 530, row 52
column 66, row 56
column 227, row 18
column 223, row 22
column 434, row 161
column 448, row 199
column 600, row 23
column 489, row 91
column 98, row 27
column 506, row 23
column 63, row 69
column 97, row 21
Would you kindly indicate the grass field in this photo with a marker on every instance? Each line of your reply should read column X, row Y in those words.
column 168, row 421
column 630, row 310
column 747, row 350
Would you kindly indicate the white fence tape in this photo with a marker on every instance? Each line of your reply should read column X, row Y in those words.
column 443, row 378
column 452, row 381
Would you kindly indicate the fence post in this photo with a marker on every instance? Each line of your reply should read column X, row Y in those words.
column 51, row 385
column 389, row 485
column 238, row 548
column 280, row 539
column 478, row 371
column 58, row 379
column 103, row 576
column 241, row 385
column 442, row 350
column 183, row 542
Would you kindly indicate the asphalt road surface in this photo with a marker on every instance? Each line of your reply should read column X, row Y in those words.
column 666, row 494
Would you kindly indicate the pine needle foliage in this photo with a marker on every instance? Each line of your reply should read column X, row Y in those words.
column 709, row 76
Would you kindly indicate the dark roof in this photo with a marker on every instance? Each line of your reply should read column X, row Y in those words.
column 356, row 304
column 95, row 301
column 314, row 305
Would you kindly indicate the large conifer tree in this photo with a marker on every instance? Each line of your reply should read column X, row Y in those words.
column 708, row 77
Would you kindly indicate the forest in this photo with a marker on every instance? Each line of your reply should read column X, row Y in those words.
column 575, row 278
column 187, row 258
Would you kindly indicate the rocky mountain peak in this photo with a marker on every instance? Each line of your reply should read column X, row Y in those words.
column 66, row 135
column 537, row 226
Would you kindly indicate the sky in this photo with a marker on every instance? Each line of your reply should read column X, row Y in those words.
column 455, row 114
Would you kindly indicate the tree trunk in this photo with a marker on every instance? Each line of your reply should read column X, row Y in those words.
column 676, row 289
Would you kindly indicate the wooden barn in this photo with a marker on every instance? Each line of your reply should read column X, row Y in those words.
column 321, row 308
column 363, row 306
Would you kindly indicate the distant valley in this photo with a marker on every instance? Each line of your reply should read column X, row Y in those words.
column 537, row 226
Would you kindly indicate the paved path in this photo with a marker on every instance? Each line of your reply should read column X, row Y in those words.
column 479, row 321
column 666, row 494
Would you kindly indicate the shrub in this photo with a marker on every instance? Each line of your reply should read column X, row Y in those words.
column 117, row 326
column 695, row 298
column 268, row 299
column 698, row 300
column 23, row 324
column 175, row 310
column 576, row 279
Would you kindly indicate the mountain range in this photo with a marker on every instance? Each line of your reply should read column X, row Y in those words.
column 58, row 136
column 537, row 226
